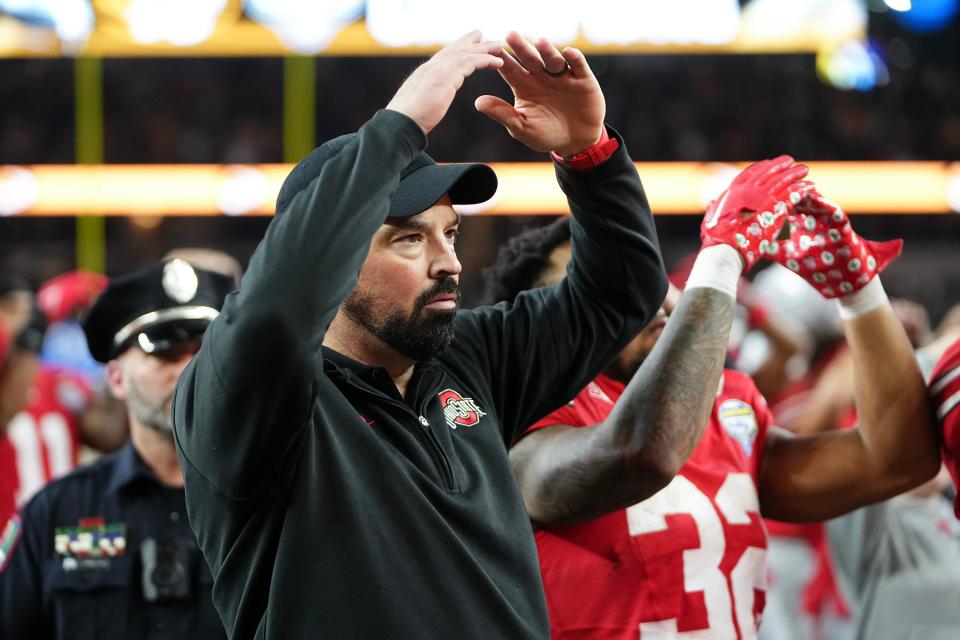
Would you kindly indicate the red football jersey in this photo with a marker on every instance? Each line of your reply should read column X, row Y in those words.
column 8, row 480
column 45, row 436
column 945, row 391
column 689, row 562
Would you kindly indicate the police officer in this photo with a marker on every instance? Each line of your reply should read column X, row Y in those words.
column 107, row 552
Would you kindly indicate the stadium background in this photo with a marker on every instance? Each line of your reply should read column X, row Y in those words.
column 888, row 92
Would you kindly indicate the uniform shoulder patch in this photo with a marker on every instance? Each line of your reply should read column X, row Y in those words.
column 740, row 422
column 9, row 538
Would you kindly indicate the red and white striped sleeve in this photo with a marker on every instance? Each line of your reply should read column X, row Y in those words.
column 945, row 394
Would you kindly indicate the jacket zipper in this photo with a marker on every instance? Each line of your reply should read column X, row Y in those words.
column 440, row 456
column 432, row 443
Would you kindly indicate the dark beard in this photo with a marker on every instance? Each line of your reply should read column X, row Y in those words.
column 418, row 336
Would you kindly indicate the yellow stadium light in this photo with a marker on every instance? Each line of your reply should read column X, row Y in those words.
column 128, row 28
column 525, row 188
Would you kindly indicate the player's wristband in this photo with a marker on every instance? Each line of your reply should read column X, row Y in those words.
column 864, row 300
column 717, row 267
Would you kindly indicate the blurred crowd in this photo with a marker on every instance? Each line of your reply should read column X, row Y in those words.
column 689, row 108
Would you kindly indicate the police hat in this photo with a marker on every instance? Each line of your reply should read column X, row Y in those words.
column 154, row 308
column 422, row 182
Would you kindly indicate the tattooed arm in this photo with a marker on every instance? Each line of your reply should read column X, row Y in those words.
column 567, row 473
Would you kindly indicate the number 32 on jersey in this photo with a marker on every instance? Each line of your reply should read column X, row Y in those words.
column 723, row 547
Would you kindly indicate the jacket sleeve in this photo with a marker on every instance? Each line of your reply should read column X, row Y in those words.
column 27, row 543
column 540, row 351
column 247, row 393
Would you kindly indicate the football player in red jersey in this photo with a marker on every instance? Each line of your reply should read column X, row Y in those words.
column 60, row 410
column 648, row 518
column 17, row 368
column 48, row 410
column 945, row 392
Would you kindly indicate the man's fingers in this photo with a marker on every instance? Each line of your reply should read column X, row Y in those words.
column 578, row 62
column 499, row 110
column 511, row 69
column 526, row 53
column 468, row 38
column 483, row 61
column 771, row 173
column 753, row 170
column 553, row 62
column 492, row 47
column 472, row 42
column 788, row 177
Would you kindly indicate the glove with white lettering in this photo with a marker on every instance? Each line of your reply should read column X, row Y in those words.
column 750, row 213
column 825, row 250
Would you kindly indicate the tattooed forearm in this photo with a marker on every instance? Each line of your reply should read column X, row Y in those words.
column 568, row 473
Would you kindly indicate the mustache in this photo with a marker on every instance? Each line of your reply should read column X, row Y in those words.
column 447, row 285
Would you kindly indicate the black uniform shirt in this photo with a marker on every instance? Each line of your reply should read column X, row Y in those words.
column 106, row 552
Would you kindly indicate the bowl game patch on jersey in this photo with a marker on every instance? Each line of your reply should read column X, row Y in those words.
column 739, row 421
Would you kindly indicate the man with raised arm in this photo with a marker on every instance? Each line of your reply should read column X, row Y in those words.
column 647, row 490
column 344, row 428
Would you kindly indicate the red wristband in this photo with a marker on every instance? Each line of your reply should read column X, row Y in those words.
column 592, row 156
column 4, row 344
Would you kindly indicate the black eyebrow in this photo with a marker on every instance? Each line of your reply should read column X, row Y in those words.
column 407, row 223
column 410, row 223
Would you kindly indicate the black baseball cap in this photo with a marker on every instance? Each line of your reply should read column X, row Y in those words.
column 154, row 308
column 422, row 183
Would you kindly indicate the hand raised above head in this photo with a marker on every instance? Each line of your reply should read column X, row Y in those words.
column 750, row 213
column 427, row 93
column 558, row 105
column 824, row 249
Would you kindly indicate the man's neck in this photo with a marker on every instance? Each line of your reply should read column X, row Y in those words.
column 359, row 344
column 158, row 452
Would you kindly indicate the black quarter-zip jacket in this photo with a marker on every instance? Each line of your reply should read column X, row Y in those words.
column 327, row 505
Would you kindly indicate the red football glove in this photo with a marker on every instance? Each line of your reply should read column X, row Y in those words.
column 750, row 213
column 69, row 293
column 827, row 253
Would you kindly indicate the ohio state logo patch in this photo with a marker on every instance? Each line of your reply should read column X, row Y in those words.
column 459, row 411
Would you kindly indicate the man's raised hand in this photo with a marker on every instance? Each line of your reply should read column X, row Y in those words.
column 426, row 95
column 558, row 105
